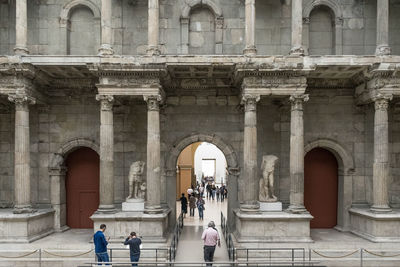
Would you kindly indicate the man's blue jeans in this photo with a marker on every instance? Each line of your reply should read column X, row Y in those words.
column 135, row 258
column 102, row 257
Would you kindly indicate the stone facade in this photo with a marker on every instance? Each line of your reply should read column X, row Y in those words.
column 252, row 77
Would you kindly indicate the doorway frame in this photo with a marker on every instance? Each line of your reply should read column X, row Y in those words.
column 345, row 178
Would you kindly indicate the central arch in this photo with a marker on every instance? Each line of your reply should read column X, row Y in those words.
column 170, row 170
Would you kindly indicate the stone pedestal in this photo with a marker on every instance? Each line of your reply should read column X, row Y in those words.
column 133, row 205
column 276, row 226
column 152, row 227
column 25, row 227
column 270, row 206
column 376, row 227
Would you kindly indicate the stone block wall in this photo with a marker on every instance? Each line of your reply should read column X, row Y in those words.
column 6, row 157
column 356, row 22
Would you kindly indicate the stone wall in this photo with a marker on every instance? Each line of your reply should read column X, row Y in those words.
column 6, row 157
column 354, row 29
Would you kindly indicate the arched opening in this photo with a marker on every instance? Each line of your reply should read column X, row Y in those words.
column 202, row 32
column 82, row 187
column 82, row 37
column 321, row 187
column 201, row 171
column 322, row 31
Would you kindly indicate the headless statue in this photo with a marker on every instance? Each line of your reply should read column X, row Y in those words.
column 135, row 180
column 267, row 181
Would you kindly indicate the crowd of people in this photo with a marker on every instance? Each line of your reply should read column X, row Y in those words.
column 195, row 197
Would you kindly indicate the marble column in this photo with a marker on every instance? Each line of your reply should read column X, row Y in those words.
column 297, row 28
column 21, row 28
column 296, row 164
column 58, row 197
column 22, row 177
column 153, row 27
column 382, row 28
column 153, row 196
column 106, row 154
column 381, row 155
column 250, row 13
column 106, row 30
column 250, row 179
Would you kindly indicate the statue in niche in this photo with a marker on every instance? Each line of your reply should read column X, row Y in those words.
column 137, row 187
column 267, row 181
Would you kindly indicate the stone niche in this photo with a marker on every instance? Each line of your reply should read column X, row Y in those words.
column 263, row 227
column 151, row 227
column 376, row 227
column 25, row 228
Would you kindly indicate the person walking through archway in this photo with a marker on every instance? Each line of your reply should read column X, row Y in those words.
column 211, row 238
column 184, row 203
column 192, row 204
column 200, row 206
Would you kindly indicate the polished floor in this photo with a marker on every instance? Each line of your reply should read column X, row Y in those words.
column 190, row 247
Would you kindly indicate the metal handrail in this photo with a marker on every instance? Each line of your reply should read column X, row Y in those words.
column 175, row 237
column 228, row 238
column 156, row 250
column 215, row 263
column 269, row 255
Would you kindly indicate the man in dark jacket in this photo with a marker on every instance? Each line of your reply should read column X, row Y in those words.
column 100, row 245
column 134, row 246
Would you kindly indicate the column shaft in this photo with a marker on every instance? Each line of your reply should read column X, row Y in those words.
column 250, row 13
column 153, row 27
column 381, row 156
column 153, row 196
column 22, row 182
column 106, row 31
column 382, row 28
column 250, row 180
column 21, row 28
column 297, row 27
column 297, row 154
column 106, row 154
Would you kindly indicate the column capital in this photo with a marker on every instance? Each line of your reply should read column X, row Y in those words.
column 250, row 102
column 57, row 171
column 382, row 101
column 383, row 50
column 106, row 102
column 106, row 50
column 297, row 101
column 153, row 101
column 153, row 50
column 21, row 101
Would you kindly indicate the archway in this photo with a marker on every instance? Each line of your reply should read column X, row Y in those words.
column 82, row 187
column 321, row 187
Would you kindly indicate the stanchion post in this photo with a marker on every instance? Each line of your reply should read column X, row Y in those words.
column 361, row 257
column 40, row 257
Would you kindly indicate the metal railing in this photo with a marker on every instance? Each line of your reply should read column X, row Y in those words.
column 270, row 255
column 228, row 237
column 175, row 238
column 214, row 264
column 151, row 253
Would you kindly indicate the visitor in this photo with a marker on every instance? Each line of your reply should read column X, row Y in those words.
column 218, row 193
column 208, row 188
column 192, row 205
column 190, row 192
column 213, row 190
column 201, row 190
column 184, row 202
column 135, row 244
column 100, row 245
column 200, row 206
column 222, row 191
column 211, row 238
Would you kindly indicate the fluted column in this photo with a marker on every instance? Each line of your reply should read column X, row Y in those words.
column 153, row 196
column 106, row 154
column 153, row 28
column 250, row 179
column 297, row 28
column 297, row 154
column 21, row 28
column 381, row 155
column 106, row 31
column 250, row 13
column 22, row 177
column 382, row 28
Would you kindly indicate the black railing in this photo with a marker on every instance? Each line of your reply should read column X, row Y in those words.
column 228, row 238
column 214, row 264
column 151, row 253
column 175, row 238
column 272, row 254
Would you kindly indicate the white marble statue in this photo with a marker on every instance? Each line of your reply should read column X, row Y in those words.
column 136, row 185
column 267, row 181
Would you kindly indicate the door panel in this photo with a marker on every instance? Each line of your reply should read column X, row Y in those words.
column 321, row 187
column 82, row 186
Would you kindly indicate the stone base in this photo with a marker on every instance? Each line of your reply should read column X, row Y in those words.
column 272, row 227
column 270, row 206
column 376, row 227
column 133, row 205
column 26, row 227
column 151, row 227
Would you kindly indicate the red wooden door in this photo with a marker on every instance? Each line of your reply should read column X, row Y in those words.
column 321, row 187
column 82, row 186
